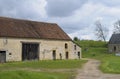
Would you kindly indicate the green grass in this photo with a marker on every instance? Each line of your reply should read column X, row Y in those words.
column 12, row 70
column 49, row 64
column 110, row 64
column 91, row 43
column 32, row 75
column 98, row 50
column 96, row 53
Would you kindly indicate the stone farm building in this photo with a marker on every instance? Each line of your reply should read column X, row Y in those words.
column 114, row 43
column 30, row 40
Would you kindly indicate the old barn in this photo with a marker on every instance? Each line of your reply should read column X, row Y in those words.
column 114, row 43
column 22, row 40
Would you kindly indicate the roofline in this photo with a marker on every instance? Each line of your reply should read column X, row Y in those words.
column 37, row 38
column 76, row 43
column 111, row 38
column 30, row 20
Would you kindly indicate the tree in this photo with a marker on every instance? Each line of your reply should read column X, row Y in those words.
column 100, row 31
column 75, row 39
column 117, row 27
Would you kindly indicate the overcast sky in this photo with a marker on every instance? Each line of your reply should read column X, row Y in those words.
column 75, row 17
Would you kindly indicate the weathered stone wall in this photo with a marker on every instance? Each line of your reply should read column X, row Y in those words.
column 13, row 48
column 114, row 48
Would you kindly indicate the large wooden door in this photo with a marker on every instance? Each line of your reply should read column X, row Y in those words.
column 30, row 51
column 2, row 56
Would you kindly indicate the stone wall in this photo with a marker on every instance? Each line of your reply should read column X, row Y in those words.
column 13, row 48
column 114, row 48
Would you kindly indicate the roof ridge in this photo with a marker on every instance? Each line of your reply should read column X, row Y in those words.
column 20, row 19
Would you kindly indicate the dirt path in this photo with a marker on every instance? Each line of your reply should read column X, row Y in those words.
column 91, row 71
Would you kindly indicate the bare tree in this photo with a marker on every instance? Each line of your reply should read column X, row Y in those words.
column 117, row 27
column 100, row 31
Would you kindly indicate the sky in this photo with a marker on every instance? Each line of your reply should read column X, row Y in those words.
column 76, row 17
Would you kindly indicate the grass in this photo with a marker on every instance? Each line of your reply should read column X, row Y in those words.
column 110, row 64
column 32, row 75
column 49, row 64
column 91, row 43
column 14, row 70
column 98, row 50
column 96, row 53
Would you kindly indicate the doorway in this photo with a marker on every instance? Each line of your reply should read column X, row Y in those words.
column 2, row 56
column 79, row 55
column 54, row 55
column 114, row 48
column 67, row 55
column 30, row 51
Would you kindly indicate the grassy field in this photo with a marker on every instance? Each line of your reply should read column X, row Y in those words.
column 110, row 64
column 40, row 69
column 32, row 75
column 48, row 64
column 98, row 50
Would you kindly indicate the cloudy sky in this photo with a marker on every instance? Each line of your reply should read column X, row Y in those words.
column 75, row 17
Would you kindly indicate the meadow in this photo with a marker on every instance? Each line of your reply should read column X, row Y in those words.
column 46, row 69
column 99, row 50
column 44, row 64
column 32, row 75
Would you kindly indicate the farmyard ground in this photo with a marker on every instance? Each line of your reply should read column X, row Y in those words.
column 101, row 65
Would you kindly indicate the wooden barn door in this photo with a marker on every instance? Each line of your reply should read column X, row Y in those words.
column 2, row 56
column 30, row 51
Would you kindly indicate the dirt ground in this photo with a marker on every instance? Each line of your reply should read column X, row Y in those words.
column 90, row 71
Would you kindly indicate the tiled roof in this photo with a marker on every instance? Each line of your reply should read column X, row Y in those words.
column 115, row 39
column 16, row 28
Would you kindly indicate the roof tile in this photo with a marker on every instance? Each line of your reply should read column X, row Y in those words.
column 115, row 39
column 10, row 27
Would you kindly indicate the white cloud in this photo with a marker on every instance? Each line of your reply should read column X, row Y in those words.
column 63, row 8
column 27, row 9
column 81, row 23
column 91, row 12
column 76, row 17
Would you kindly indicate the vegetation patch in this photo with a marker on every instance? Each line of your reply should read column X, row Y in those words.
column 32, row 75
column 49, row 64
column 110, row 64
column 98, row 50
column 14, row 70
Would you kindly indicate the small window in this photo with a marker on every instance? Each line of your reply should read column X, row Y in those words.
column 75, row 47
column 10, row 53
column 66, row 46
